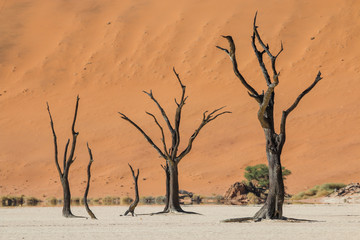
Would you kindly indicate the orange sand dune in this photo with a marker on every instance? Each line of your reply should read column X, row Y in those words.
column 109, row 51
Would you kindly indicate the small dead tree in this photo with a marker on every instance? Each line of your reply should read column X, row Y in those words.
column 91, row 214
column 272, row 209
column 136, row 201
column 171, row 155
column 68, row 160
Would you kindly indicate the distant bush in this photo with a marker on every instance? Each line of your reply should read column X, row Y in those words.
column 160, row 199
column 147, row 200
column 12, row 201
column 126, row 200
column 258, row 175
column 52, row 201
column 318, row 191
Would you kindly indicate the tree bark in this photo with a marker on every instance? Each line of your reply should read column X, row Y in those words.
column 272, row 208
column 173, row 203
column 167, row 183
column 66, row 212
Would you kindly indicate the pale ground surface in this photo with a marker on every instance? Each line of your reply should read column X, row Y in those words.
column 335, row 222
column 109, row 51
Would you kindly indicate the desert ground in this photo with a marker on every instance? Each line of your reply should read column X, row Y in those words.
column 329, row 222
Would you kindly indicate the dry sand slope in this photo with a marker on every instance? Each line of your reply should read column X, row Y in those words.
column 109, row 51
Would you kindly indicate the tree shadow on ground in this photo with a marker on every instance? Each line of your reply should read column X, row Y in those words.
column 283, row 219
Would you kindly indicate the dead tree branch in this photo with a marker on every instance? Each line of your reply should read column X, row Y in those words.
column 232, row 56
column 92, row 215
column 206, row 119
column 293, row 106
column 123, row 116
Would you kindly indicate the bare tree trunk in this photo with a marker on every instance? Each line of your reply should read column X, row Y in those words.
column 66, row 212
column 137, row 199
column 167, row 194
column 173, row 203
column 92, row 215
column 272, row 208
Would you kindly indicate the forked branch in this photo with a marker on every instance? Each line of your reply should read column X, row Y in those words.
column 206, row 119
column 162, row 133
column 163, row 113
column 294, row 105
column 123, row 116
column 267, row 50
column 232, row 56
column 71, row 158
column 55, row 143
column 136, row 201
column 265, row 103
column 176, row 135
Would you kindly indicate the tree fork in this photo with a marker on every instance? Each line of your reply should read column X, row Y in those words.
column 64, row 174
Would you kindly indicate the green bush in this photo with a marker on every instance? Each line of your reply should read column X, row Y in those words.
column 258, row 175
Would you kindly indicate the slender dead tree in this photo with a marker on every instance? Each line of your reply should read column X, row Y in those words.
column 272, row 209
column 91, row 214
column 172, row 155
column 68, row 160
column 136, row 201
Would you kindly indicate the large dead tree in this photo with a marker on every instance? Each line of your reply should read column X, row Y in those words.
column 172, row 154
column 91, row 214
column 68, row 160
column 137, row 199
column 272, row 208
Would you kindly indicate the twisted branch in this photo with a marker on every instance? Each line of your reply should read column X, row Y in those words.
column 206, row 119
column 232, row 56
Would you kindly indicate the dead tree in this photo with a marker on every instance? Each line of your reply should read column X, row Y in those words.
column 92, row 215
column 172, row 155
column 68, row 160
column 272, row 208
column 136, row 201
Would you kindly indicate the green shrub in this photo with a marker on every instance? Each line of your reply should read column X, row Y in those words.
column 258, row 175
column 318, row 191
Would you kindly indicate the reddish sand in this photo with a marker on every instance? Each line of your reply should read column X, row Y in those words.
column 109, row 51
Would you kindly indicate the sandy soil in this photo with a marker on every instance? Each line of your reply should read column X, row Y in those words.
column 334, row 222
column 109, row 51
